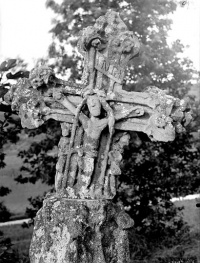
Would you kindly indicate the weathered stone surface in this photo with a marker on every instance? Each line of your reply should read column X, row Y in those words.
column 107, row 48
column 80, row 231
column 79, row 223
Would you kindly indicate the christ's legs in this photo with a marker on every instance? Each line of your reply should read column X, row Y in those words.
column 88, row 168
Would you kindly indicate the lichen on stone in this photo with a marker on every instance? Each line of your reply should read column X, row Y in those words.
column 90, row 231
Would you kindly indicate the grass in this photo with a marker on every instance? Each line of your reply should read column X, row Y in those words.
column 190, row 246
column 191, row 213
column 20, row 237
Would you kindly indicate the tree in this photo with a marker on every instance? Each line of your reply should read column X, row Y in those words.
column 10, row 125
column 152, row 175
column 4, row 213
column 158, row 63
column 10, row 128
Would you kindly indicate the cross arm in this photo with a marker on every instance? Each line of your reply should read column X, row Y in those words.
column 162, row 117
column 153, row 112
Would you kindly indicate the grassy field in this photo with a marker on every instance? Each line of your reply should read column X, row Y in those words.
column 20, row 237
column 191, row 213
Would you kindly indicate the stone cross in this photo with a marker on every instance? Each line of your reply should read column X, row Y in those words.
column 79, row 222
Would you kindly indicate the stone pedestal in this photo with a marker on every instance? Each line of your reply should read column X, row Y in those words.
column 80, row 231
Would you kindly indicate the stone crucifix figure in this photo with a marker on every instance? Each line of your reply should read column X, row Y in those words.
column 92, row 126
column 79, row 223
column 88, row 152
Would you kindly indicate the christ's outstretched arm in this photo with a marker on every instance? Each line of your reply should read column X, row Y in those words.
column 67, row 104
column 70, row 106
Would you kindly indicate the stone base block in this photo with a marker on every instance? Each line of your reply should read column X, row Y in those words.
column 80, row 231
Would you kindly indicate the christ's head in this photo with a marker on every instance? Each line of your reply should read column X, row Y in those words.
column 94, row 105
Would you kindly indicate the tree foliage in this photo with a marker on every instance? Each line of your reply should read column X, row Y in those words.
column 4, row 212
column 8, row 129
column 40, row 158
column 158, row 63
column 152, row 175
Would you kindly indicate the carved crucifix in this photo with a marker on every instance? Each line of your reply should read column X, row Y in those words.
column 79, row 223
column 96, row 115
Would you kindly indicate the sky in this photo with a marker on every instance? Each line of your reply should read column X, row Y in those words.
column 24, row 30
column 25, row 25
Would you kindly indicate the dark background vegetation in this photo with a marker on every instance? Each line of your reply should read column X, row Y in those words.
column 153, row 172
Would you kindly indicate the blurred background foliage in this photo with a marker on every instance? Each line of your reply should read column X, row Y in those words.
column 153, row 172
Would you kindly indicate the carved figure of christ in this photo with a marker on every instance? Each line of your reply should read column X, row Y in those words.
column 93, row 126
